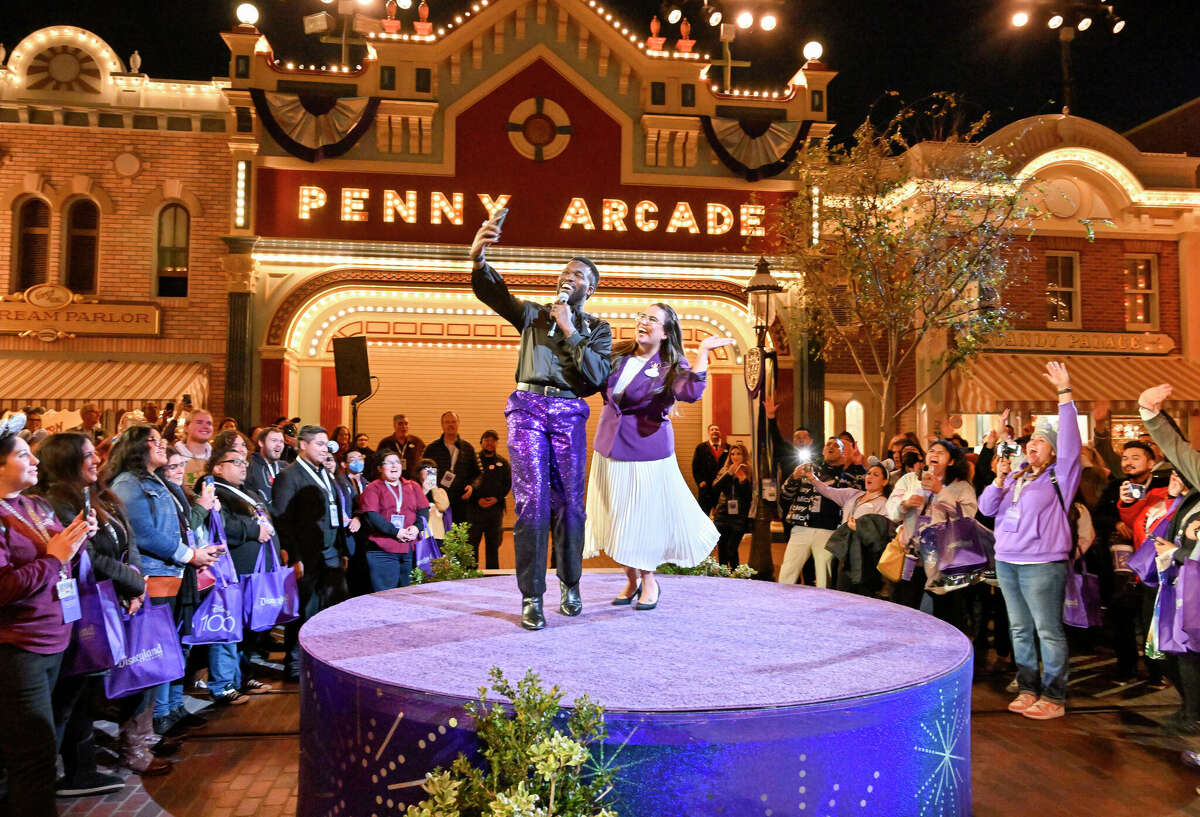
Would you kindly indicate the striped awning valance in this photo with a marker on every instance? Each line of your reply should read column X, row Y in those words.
column 67, row 385
column 993, row 383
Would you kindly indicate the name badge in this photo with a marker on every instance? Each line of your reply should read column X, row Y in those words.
column 1012, row 519
column 732, row 507
column 770, row 490
column 398, row 521
column 447, row 479
column 68, row 597
column 335, row 518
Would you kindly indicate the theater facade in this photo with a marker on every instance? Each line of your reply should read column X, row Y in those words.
column 163, row 237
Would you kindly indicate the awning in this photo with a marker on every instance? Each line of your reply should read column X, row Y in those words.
column 67, row 385
column 992, row 383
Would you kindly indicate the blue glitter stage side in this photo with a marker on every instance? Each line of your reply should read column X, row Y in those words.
column 365, row 748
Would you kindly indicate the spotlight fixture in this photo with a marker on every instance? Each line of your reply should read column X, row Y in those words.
column 1055, row 21
column 1118, row 25
column 768, row 21
column 674, row 14
column 1020, row 19
column 1084, row 23
column 712, row 13
column 744, row 20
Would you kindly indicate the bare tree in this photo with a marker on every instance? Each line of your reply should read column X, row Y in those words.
column 903, row 238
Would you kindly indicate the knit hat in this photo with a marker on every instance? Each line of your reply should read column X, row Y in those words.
column 1048, row 431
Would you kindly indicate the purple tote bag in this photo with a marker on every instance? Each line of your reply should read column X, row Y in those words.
column 1081, row 605
column 152, row 653
column 223, row 568
column 1188, row 605
column 98, row 642
column 269, row 594
column 425, row 550
column 1169, row 606
column 954, row 546
column 218, row 619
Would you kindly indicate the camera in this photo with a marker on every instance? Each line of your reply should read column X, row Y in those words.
column 804, row 456
column 1137, row 491
column 1008, row 449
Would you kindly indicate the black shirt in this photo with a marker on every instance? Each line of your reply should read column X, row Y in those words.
column 579, row 363
column 494, row 480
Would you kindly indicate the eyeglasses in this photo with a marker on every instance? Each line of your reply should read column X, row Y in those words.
column 642, row 316
column 239, row 463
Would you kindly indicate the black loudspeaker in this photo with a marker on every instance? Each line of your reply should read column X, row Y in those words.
column 351, row 366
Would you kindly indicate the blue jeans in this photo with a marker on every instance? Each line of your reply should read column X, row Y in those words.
column 1033, row 595
column 224, row 668
column 389, row 570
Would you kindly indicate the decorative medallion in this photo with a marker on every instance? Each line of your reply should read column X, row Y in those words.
column 64, row 68
column 539, row 129
column 753, row 369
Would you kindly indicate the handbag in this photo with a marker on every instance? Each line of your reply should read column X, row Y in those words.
column 1168, row 609
column 954, row 546
column 1081, row 604
column 98, row 642
column 425, row 550
column 270, row 594
column 218, row 619
column 152, row 653
column 891, row 563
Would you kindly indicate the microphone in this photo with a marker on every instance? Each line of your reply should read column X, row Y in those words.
column 564, row 295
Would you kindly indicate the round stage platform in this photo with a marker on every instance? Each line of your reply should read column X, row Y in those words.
column 732, row 698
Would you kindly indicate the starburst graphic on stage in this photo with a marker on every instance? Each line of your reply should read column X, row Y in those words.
column 943, row 746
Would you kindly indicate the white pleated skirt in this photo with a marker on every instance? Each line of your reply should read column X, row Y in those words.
column 643, row 514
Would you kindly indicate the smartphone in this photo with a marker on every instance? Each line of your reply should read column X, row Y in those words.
column 87, row 502
column 498, row 219
column 187, row 399
column 207, row 483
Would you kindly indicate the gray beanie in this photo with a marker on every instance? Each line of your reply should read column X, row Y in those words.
column 1047, row 430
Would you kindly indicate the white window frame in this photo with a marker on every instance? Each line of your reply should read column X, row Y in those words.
column 1155, row 291
column 1075, row 293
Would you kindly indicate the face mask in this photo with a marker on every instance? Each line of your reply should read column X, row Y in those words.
column 355, row 466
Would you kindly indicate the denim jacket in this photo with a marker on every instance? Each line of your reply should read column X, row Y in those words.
column 155, row 522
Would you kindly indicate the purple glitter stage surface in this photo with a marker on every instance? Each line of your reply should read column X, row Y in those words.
column 733, row 697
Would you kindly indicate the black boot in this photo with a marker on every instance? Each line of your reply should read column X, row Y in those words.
column 570, row 603
column 532, row 617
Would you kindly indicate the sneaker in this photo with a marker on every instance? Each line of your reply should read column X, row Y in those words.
column 230, row 697
column 254, row 687
column 1191, row 759
column 190, row 720
column 1022, row 702
column 1012, row 687
column 1045, row 710
column 88, row 785
column 199, row 684
column 171, row 726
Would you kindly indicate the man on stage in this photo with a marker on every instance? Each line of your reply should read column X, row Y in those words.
column 564, row 357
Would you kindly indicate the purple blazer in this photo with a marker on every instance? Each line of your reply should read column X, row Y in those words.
column 635, row 426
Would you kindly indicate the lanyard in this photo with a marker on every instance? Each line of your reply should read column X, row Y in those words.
column 398, row 495
column 321, row 479
column 34, row 523
column 454, row 455
column 245, row 497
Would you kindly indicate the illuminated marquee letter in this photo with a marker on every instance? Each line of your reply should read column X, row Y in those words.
column 612, row 216
column 405, row 207
column 752, row 218
column 720, row 219
column 493, row 205
column 640, row 213
column 354, row 203
column 311, row 198
column 683, row 219
column 577, row 213
column 439, row 205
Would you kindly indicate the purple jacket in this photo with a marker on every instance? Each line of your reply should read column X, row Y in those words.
column 634, row 426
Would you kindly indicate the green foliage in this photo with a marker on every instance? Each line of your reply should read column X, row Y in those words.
column 458, row 558
column 922, row 231
column 709, row 567
column 533, row 767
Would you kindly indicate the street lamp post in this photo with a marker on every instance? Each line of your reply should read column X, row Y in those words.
column 1067, row 17
column 759, row 374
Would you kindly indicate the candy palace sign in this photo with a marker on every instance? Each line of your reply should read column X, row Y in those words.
column 395, row 206
column 49, row 312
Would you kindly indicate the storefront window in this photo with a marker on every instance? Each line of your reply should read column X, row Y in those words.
column 1141, row 292
column 1062, row 289
column 81, row 252
column 174, row 232
column 830, row 420
column 854, row 421
column 33, row 244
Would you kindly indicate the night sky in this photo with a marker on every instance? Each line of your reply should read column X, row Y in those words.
column 965, row 46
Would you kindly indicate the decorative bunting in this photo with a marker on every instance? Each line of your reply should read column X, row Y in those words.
column 754, row 157
column 314, row 128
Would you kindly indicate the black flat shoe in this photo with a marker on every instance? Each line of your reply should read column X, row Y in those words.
column 570, row 604
column 625, row 601
column 532, row 617
column 641, row 606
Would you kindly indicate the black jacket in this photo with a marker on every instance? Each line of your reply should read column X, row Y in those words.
column 858, row 550
column 302, row 517
column 241, row 525
column 494, row 479
column 466, row 469
column 705, row 466
column 579, row 364
column 259, row 478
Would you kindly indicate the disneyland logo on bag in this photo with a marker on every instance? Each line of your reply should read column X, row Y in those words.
column 267, row 601
column 148, row 654
column 86, row 631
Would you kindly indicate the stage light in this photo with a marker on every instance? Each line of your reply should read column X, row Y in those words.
column 1055, row 21
column 405, row 4
column 1084, row 24
column 813, row 51
column 1118, row 25
column 1020, row 19
column 768, row 21
column 745, row 20
column 713, row 14
column 674, row 14
column 247, row 14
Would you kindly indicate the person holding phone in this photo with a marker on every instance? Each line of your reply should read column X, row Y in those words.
column 733, row 491
column 564, row 357
column 39, row 601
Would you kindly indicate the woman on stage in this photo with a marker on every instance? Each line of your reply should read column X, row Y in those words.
column 639, row 509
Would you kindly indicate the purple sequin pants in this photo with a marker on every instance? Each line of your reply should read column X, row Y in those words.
column 547, row 443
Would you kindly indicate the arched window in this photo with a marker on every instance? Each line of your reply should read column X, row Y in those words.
column 830, row 421
column 33, row 244
column 81, row 251
column 174, row 237
column 854, row 422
